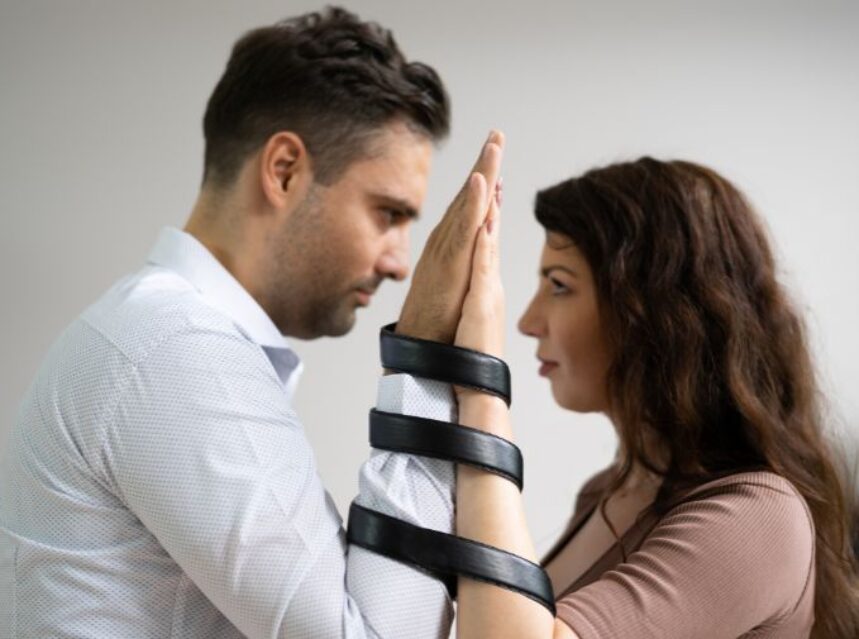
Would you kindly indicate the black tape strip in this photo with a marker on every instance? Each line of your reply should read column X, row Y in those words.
column 443, row 440
column 446, row 363
column 445, row 556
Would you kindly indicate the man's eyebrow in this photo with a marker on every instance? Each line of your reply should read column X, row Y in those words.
column 399, row 204
column 551, row 267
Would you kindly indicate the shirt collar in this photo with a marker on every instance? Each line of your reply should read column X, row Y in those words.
column 183, row 254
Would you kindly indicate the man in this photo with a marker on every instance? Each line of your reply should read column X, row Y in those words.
column 157, row 482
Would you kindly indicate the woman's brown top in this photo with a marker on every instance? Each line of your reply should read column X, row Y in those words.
column 731, row 558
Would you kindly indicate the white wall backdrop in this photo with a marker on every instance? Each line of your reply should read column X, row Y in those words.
column 101, row 145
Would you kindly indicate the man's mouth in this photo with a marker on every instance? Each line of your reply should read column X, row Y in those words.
column 364, row 296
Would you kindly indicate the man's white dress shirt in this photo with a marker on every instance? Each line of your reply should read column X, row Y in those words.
column 157, row 482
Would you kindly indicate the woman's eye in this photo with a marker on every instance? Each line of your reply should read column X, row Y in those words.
column 557, row 287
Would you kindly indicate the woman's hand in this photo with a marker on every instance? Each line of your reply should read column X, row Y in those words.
column 481, row 325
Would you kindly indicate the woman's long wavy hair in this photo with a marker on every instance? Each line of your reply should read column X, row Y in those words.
column 709, row 353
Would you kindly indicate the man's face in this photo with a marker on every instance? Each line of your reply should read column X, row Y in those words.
column 336, row 247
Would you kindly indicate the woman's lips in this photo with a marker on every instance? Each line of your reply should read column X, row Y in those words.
column 547, row 367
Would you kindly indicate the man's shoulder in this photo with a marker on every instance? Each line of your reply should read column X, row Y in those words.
column 144, row 309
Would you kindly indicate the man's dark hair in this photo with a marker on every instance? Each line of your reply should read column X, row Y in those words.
column 326, row 76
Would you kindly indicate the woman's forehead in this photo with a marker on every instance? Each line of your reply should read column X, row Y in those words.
column 562, row 248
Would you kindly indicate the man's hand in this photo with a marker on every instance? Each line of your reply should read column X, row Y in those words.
column 434, row 301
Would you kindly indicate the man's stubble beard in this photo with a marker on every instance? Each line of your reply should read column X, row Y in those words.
column 308, row 295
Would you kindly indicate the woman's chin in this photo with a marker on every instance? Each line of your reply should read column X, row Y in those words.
column 576, row 401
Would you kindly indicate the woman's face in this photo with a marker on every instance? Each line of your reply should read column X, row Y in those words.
column 564, row 317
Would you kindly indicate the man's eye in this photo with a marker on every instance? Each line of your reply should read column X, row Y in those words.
column 391, row 216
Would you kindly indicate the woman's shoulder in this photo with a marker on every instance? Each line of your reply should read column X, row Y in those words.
column 762, row 493
column 758, row 500
column 738, row 549
column 756, row 522
column 758, row 518
column 754, row 481
column 750, row 487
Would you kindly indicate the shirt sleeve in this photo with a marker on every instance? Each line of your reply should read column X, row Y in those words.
column 209, row 456
column 712, row 568
column 399, row 600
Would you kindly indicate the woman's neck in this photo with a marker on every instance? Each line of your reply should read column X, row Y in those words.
column 641, row 479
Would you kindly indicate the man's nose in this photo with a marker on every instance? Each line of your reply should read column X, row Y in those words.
column 394, row 262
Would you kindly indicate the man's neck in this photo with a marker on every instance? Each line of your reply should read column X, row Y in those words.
column 213, row 223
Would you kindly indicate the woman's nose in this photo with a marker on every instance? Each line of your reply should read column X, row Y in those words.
column 530, row 322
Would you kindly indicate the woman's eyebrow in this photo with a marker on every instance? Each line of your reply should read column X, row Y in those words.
column 551, row 267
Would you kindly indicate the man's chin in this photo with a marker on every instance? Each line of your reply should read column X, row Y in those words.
column 340, row 323
column 338, row 320
column 343, row 327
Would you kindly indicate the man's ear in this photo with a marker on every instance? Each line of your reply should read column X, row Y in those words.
column 285, row 170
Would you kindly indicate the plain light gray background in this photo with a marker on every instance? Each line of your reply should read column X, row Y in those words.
column 101, row 145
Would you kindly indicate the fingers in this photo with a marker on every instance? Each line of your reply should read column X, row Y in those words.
column 489, row 161
column 496, row 141
column 474, row 207
column 488, row 165
column 469, row 210
column 481, row 261
column 481, row 325
column 485, row 262
column 493, row 220
column 442, row 275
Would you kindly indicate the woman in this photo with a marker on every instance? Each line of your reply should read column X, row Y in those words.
column 723, row 515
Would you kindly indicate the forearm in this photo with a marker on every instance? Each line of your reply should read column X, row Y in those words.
column 490, row 510
column 395, row 599
column 490, row 507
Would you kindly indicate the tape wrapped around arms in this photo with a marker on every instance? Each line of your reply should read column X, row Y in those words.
column 447, row 556
column 443, row 555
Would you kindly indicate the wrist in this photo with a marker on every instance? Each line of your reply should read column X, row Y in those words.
column 414, row 329
column 483, row 411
